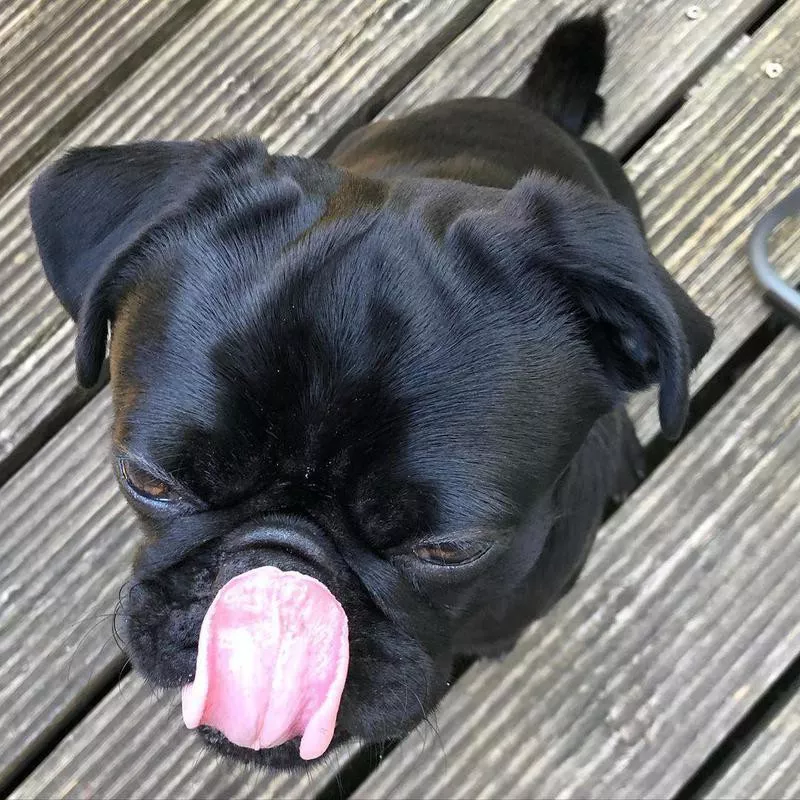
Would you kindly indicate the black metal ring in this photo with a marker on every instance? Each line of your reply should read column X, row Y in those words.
column 777, row 289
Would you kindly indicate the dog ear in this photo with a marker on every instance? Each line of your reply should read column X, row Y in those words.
column 95, row 202
column 643, row 327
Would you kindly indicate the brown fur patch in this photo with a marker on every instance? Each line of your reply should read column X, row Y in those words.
column 124, row 390
column 355, row 193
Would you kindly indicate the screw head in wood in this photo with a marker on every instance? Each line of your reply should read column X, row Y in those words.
column 771, row 69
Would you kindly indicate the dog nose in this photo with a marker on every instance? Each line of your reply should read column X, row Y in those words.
column 286, row 542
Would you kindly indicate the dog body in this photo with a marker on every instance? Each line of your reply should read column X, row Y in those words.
column 400, row 372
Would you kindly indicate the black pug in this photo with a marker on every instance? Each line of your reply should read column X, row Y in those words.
column 373, row 405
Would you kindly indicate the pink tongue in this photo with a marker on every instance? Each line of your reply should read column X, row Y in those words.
column 272, row 662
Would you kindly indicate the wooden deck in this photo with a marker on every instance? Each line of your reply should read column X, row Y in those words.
column 673, row 669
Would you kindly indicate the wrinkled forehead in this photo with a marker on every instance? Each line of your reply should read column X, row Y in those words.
column 219, row 335
column 335, row 342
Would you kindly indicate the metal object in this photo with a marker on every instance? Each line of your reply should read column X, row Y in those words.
column 777, row 289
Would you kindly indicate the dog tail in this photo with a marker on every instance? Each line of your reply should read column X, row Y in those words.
column 563, row 81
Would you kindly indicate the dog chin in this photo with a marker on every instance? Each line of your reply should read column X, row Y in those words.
column 284, row 758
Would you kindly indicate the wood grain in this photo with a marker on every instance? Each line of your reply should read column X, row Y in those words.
column 769, row 768
column 55, row 53
column 705, row 179
column 656, row 53
column 290, row 72
column 134, row 746
column 66, row 540
column 281, row 78
column 687, row 611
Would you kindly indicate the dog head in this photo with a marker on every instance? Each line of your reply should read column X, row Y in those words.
column 374, row 385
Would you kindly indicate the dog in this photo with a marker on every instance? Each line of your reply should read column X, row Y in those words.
column 375, row 402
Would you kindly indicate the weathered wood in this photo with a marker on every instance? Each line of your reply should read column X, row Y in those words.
column 656, row 53
column 65, row 542
column 291, row 72
column 285, row 80
column 55, row 53
column 706, row 177
column 769, row 768
column 134, row 746
column 687, row 611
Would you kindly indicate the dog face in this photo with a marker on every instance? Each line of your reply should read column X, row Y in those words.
column 375, row 384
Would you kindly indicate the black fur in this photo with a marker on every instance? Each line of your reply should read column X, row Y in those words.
column 564, row 79
column 427, row 340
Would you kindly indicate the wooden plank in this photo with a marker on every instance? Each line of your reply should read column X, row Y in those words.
column 657, row 52
column 705, row 179
column 291, row 72
column 769, row 767
column 296, row 101
column 99, row 759
column 55, row 53
column 687, row 611
column 66, row 539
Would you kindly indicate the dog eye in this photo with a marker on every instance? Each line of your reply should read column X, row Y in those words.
column 451, row 554
column 145, row 485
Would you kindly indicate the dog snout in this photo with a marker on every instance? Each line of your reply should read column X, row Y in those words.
column 291, row 544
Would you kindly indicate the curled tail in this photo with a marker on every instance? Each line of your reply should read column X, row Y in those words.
column 564, row 79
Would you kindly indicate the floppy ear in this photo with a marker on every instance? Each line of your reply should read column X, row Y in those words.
column 643, row 327
column 90, row 206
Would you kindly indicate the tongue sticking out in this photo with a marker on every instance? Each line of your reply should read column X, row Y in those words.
column 271, row 663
